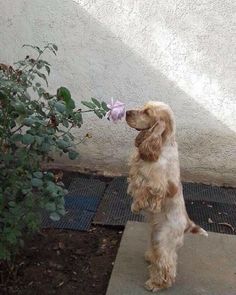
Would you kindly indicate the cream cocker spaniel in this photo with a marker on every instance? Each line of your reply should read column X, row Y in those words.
column 155, row 186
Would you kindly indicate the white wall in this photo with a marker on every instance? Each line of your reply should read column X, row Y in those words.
column 180, row 52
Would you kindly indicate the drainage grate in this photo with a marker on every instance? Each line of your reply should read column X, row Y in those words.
column 213, row 208
column 213, row 216
column 195, row 191
column 81, row 204
column 87, row 187
column 114, row 208
column 75, row 219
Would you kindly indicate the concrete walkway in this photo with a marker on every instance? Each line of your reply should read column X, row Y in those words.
column 206, row 266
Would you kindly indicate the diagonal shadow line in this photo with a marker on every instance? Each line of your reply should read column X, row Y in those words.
column 134, row 78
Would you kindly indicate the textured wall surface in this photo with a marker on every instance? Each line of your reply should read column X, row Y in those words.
column 180, row 52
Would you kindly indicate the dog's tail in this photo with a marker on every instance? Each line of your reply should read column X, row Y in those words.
column 195, row 229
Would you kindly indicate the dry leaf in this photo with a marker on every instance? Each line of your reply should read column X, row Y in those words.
column 60, row 284
column 61, row 245
column 226, row 224
column 210, row 220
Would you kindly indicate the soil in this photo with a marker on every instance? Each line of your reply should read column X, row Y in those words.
column 63, row 263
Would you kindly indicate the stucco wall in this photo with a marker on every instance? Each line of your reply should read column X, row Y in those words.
column 180, row 52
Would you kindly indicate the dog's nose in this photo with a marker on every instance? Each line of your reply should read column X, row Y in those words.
column 128, row 113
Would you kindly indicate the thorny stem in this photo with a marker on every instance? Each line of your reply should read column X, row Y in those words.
column 17, row 129
column 68, row 130
column 35, row 62
column 87, row 111
column 82, row 140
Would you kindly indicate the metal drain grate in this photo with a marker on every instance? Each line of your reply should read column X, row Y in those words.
column 114, row 208
column 195, row 191
column 81, row 204
column 87, row 187
column 213, row 216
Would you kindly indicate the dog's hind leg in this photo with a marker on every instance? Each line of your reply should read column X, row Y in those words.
column 163, row 260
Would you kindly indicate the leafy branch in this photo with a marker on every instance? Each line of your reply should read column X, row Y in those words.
column 33, row 128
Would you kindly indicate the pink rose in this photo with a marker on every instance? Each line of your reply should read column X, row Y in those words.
column 117, row 110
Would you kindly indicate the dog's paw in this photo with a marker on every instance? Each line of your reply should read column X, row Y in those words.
column 148, row 256
column 154, row 206
column 135, row 208
column 152, row 286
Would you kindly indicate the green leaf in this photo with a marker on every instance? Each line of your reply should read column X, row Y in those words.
column 47, row 69
column 61, row 211
column 88, row 104
column 11, row 237
column 39, row 65
column 103, row 112
column 38, row 174
column 45, row 147
column 62, row 144
column 55, row 216
column 50, row 206
column 66, row 138
column 3, row 96
column 104, row 106
column 27, row 139
column 65, row 123
column 64, row 94
column 73, row 154
column 34, row 47
column 38, row 139
column 41, row 75
column 20, row 108
column 98, row 113
column 36, row 182
column 41, row 91
column 55, row 47
column 96, row 102
column 79, row 118
column 70, row 104
column 29, row 121
column 60, row 107
column 12, row 203
column 16, row 137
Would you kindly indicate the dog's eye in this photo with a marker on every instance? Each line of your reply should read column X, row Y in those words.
column 146, row 112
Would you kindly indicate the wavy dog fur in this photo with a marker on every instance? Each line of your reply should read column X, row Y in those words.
column 155, row 186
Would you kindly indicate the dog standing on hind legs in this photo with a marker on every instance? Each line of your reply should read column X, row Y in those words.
column 155, row 186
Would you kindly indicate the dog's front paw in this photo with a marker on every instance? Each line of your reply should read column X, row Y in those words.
column 148, row 256
column 135, row 208
column 154, row 205
column 153, row 286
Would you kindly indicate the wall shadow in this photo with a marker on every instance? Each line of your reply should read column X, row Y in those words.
column 207, row 146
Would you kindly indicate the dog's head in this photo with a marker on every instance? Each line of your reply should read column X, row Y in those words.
column 155, row 121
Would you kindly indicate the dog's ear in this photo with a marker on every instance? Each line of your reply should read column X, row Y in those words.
column 150, row 148
column 143, row 135
column 149, row 143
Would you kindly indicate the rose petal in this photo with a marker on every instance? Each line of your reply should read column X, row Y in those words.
column 117, row 110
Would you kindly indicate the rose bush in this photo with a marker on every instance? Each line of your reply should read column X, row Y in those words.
column 34, row 126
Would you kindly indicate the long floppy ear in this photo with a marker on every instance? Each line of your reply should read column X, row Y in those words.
column 144, row 134
column 149, row 143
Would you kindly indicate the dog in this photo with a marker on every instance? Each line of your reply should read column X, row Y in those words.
column 155, row 186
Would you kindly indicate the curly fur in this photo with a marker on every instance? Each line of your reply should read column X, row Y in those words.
column 155, row 186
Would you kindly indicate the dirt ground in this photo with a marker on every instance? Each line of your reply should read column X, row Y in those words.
column 63, row 263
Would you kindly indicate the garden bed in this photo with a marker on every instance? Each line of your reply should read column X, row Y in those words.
column 63, row 262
